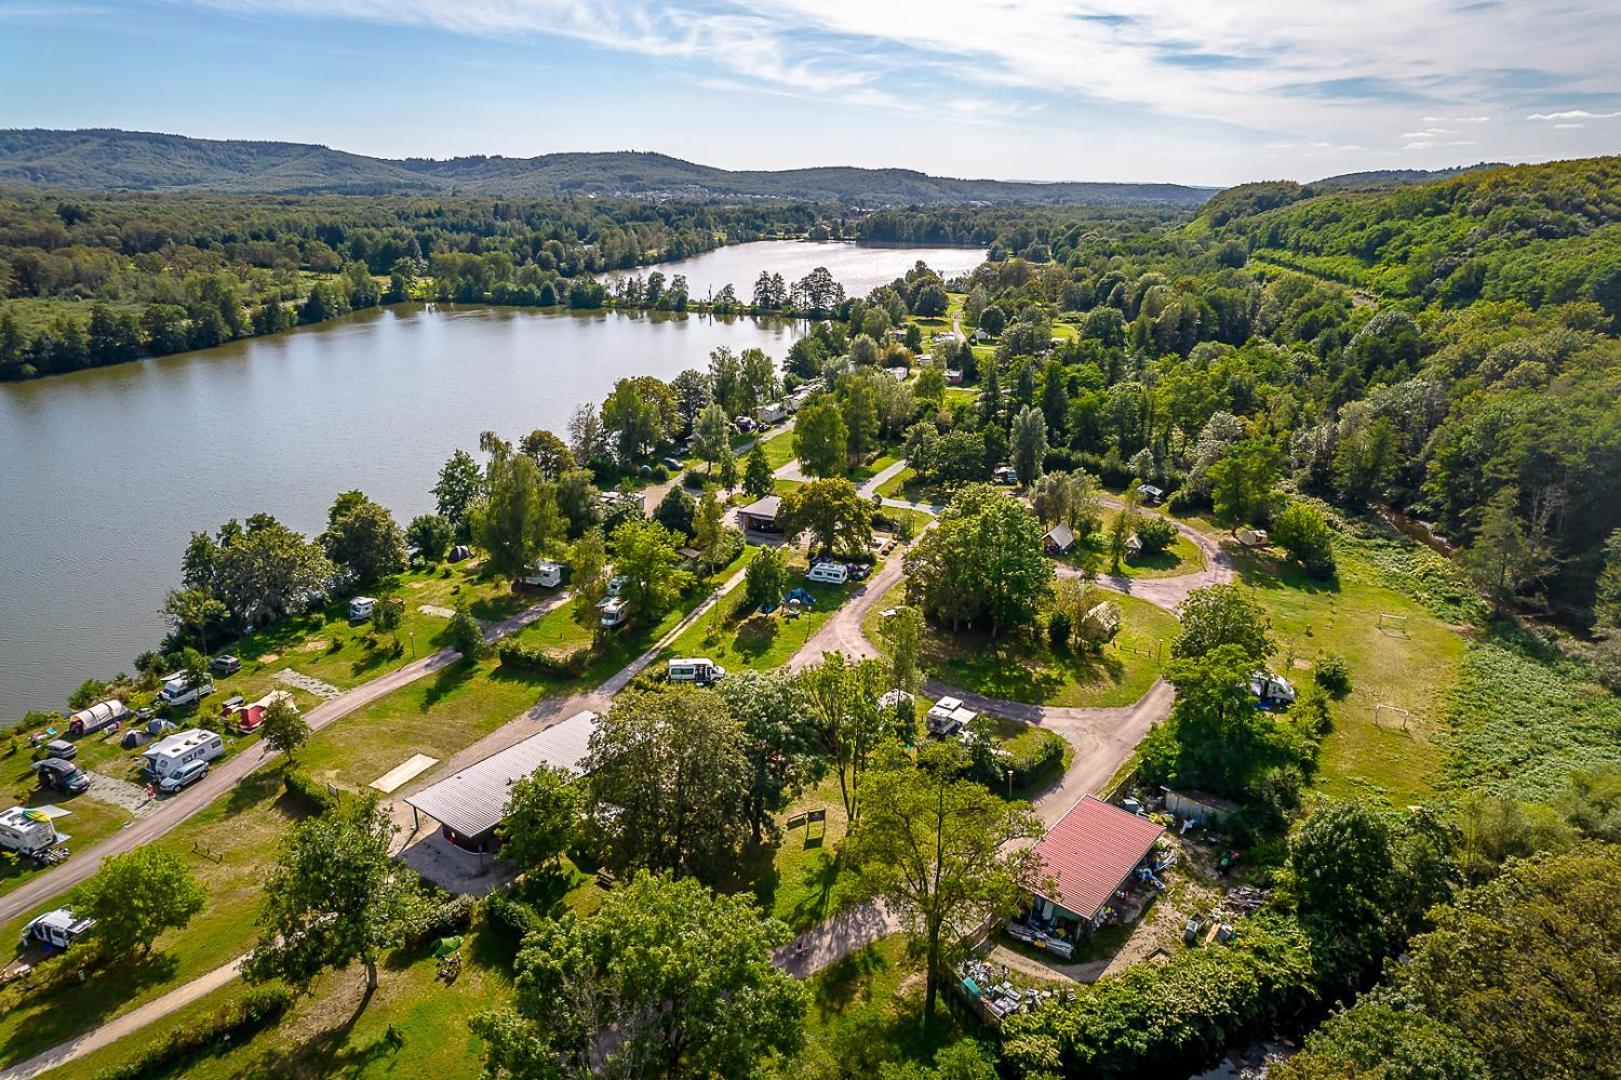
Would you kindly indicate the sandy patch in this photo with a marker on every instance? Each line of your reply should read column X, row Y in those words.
column 315, row 645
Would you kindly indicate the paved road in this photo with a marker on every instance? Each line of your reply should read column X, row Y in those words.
column 174, row 811
column 127, row 1024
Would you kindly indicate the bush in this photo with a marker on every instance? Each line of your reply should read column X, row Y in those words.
column 452, row 917
column 228, row 1025
column 301, row 785
column 658, row 473
column 513, row 917
column 1333, row 674
column 1033, row 755
column 1155, row 534
column 567, row 665
column 694, row 479
column 1058, row 629
column 1303, row 532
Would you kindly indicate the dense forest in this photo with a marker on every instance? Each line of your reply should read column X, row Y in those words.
column 150, row 161
column 96, row 279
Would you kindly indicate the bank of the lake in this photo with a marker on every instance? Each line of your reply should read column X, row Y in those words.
column 106, row 472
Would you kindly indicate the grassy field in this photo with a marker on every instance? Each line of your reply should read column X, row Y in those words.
column 738, row 637
column 1411, row 665
column 779, row 449
column 801, row 885
column 1019, row 666
column 1182, row 557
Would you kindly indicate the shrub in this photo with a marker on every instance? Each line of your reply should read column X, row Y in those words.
column 452, row 917
column 1155, row 534
column 567, row 665
column 1334, row 674
column 513, row 917
column 301, row 785
column 659, row 473
column 694, row 479
column 1058, row 629
column 227, row 1025
column 1033, row 754
column 1303, row 532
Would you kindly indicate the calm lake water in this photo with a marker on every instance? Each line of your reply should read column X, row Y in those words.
column 860, row 268
column 105, row 473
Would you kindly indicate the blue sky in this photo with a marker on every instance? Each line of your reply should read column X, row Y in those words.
column 1184, row 90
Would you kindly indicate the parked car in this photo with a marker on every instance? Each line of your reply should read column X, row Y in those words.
column 63, row 776
column 183, row 777
column 62, row 749
column 225, row 664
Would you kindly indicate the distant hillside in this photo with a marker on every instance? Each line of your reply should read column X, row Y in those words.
column 130, row 160
column 1542, row 234
column 1377, row 179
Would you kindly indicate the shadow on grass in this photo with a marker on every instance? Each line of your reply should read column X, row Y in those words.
column 1266, row 572
column 257, row 788
column 447, row 682
column 58, row 1009
column 378, row 655
column 845, row 982
column 755, row 636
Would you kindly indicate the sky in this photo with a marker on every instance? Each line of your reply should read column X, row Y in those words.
column 1192, row 91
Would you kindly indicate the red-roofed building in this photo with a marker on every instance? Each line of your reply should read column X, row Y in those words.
column 1088, row 856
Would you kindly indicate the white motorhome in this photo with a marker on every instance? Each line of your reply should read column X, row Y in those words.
column 55, row 929
column 700, row 670
column 361, row 607
column 177, row 690
column 948, row 716
column 198, row 744
column 829, row 573
column 1271, row 689
column 772, row 412
column 26, row 831
column 615, row 610
column 548, row 575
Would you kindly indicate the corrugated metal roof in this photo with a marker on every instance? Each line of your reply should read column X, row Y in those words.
column 1091, row 852
column 474, row 799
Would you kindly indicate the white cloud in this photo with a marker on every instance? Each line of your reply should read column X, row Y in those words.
column 1569, row 126
column 1574, row 114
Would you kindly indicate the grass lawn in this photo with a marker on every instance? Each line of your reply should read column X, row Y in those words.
column 864, row 472
column 779, row 449
column 866, row 1010
column 1412, row 665
column 242, row 834
column 737, row 636
column 1182, row 557
column 1020, row 666
column 801, row 886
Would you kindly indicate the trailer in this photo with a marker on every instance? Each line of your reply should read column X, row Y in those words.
column 27, row 831
column 169, row 755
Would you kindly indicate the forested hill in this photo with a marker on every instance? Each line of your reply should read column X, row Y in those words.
column 110, row 159
column 1541, row 234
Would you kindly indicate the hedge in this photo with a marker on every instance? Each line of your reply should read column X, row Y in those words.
column 567, row 665
column 301, row 785
column 514, row 917
column 226, row 1026
column 454, row 916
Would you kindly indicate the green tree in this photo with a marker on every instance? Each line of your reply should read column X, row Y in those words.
column 1607, row 591
column 983, row 562
column 640, row 413
column 467, row 636
column 1218, row 615
column 766, row 578
column 541, row 817
column 550, row 454
column 1504, row 558
column 709, row 531
column 645, row 556
column 589, row 572
column 334, row 896
column 846, row 723
column 757, row 480
column 1303, row 532
column 519, row 519
column 711, row 436
column 676, row 511
column 821, row 440
column 365, row 541
column 1372, row 1039
column 270, row 570
column 942, row 852
column 668, row 783
column 460, row 487
column 1029, row 444
column 284, row 728
column 666, row 979
column 831, row 512
column 193, row 609
column 1241, row 483
column 430, row 536
column 902, row 635
column 771, row 707
column 134, row 897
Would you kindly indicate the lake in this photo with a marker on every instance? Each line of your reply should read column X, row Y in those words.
column 860, row 268
column 105, row 473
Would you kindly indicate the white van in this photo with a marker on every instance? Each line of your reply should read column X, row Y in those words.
column 829, row 573
column 166, row 757
column 699, row 670
column 26, row 831
column 548, row 575
column 178, row 692
column 614, row 611
column 360, row 608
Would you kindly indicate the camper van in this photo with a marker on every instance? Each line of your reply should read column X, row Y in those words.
column 829, row 573
column 55, row 929
column 178, row 692
column 26, row 831
column 548, row 575
column 165, row 757
column 361, row 607
column 1271, row 690
column 614, row 611
column 700, row 670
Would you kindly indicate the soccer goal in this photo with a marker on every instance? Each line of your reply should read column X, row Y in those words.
column 1393, row 718
column 1393, row 624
